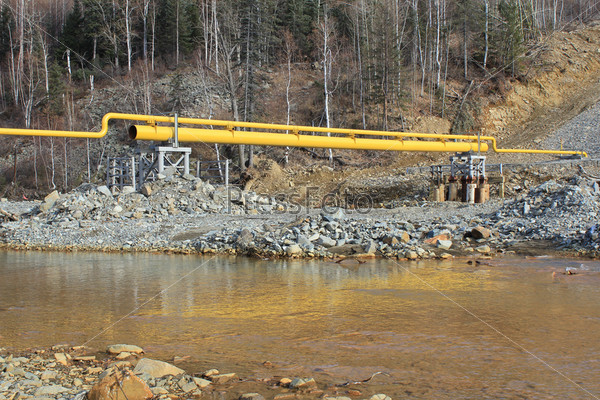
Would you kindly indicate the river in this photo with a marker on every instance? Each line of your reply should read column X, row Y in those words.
column 505, row 328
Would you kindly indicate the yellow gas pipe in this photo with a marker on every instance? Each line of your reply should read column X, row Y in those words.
column 231, row 135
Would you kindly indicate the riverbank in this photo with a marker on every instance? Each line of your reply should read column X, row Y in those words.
column 187, row 215
column 124, row 372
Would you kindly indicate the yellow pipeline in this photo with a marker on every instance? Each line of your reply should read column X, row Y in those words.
column 230, row 135
column 162, row 133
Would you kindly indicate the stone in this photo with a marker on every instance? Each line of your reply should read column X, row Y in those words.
column 62, row 358
column 84, row 358
column 370, row 247
column 157, row 391
column 335, row 216
column 147, row 190
column 31, row 382
column 123, row 355
column 128, row 190
column 47, row 375
column 222, row 378
column 436, row 238
column 51, row 390
column 156, row 368
column 52, row 197
column 411, row 255
column 444, row 244
column 104, row 190
column 479, row 232
column 380, row 396
column 404, row 237
column 326, row 241
column 303, row 383
column 78, row 214
column 120, row 386
column 186, row 386
column 210, row 373
column 285, row 382
column 201, row 383
column 483, row 249
column 119, row 348
column 252, row 396
column 390, row 240
column 293, row 249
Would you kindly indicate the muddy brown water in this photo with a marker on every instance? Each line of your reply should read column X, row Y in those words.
column 509, row 329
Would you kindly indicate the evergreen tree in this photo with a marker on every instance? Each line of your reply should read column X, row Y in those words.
column 74, row 34
column 510, row 36
column 299, row 17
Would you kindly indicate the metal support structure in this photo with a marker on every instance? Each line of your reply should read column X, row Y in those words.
column 214, row 171
column 467, row 180
column 121, row 172
column 468, row 165
column 146, row 165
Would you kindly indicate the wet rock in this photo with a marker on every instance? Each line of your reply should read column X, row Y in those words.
column 123, row 355
column 222, row 378
column 293, row 249
column 411, row 255
column 210, row 373
column 485, row 249
column 120, row 386
column 380, row 396
column 156, row 368
column 201, row 383
column 120, row 348
column 303, row 383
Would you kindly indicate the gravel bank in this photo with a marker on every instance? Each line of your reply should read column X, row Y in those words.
column 125, row 372
column 188, row 215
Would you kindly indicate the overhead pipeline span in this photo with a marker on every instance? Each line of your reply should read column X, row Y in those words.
column 230, row 132
column 297, row 140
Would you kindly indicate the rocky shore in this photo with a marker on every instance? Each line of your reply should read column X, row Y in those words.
column 125, row 372
column 188, row 215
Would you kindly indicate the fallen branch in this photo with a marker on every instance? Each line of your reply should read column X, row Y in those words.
column 8, row 215
column 364, row 381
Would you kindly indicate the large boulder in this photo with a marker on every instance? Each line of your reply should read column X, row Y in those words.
column 120, row 385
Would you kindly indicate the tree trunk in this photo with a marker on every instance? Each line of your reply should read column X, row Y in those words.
column 326, row 67
column 128, row 35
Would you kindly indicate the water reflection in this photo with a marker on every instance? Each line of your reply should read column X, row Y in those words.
column 336, row 322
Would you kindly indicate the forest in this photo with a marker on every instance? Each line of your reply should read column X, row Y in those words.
column 374, row 59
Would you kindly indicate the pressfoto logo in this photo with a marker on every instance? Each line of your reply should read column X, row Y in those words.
column 296, row 203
